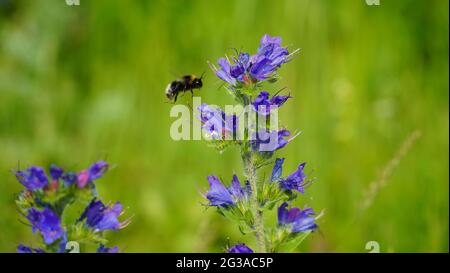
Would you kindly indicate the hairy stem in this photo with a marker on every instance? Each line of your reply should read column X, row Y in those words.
column 258, row 225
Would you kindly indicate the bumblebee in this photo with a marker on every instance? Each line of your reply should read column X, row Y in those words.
column 185, row 83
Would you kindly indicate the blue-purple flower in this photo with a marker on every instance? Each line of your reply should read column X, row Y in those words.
column 96, row 171
column 56, row 172
column 34, row 178
column 277, row 169
column 263, row 105
column 103, row 249
column 236, row 72
column 63, row 243
column 47, row 223
column 69, row 178
column 240, row 248
column 246, row 69
column 220, row 196
column 270, row 141
column 216, row 123
column 296, row 219
column 294, row 181
column 229, row 73
column 26, row 249
column 103, row 217
column 271, row 55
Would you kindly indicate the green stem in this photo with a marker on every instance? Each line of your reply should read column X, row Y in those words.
column 258, row 225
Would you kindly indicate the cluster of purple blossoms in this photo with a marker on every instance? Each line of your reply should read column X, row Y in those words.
column 46, row 197
column 246, row 69
column 34, row 178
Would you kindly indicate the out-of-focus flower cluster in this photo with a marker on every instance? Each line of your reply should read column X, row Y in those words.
column 51, row 203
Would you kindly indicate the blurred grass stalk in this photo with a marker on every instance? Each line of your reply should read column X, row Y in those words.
column 378, row 184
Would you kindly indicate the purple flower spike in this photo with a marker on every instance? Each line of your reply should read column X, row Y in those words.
column 47, row 223
column 34, row 178
column 298, row 220
column 240, row 248
column 103, row 217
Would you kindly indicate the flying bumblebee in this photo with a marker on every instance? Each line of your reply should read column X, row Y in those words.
column 185, row 83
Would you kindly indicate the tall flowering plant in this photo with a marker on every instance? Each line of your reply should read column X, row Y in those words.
column 64, row 209
column 254, row 130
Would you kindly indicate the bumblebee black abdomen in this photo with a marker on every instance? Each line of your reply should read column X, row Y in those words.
column 173, row 89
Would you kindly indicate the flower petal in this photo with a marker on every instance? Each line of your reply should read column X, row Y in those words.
column 277, row 169
column 218, row 195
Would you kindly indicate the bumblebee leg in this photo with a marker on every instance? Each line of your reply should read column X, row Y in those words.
column 175, row 99
column 192, row 93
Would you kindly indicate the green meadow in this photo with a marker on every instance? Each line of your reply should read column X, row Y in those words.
column 370, row 86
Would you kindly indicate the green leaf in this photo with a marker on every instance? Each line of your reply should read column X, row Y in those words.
column 245, row 229
column 294, row 241
column 228, row 213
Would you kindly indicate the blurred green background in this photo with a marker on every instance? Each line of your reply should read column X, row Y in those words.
column 82, row 83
